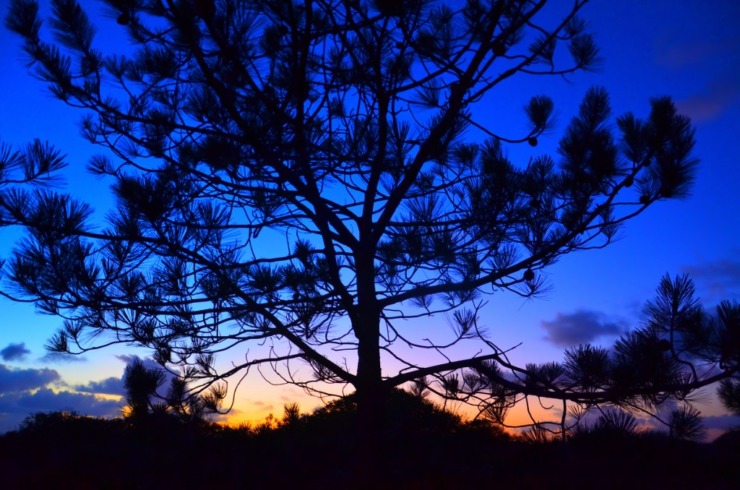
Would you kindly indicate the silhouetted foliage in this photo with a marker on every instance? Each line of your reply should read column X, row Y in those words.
column 316, row 178
column 730, row 440
column 147, row 405
column 726, row 328
column 729, row 393
column 141, row 384
column 685, row 424
column 65, row 425
column 437, row 450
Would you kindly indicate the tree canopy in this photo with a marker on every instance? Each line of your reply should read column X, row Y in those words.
column 313, row 177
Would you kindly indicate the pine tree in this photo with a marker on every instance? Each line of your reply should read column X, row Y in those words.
column 312, row 176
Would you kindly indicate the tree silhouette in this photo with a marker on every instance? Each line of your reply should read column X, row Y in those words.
column 681, row 348
column 317, row 178
column 727, row 328
column 35, row 165
column 141, row 384
column 144, row 395
column 729, row 393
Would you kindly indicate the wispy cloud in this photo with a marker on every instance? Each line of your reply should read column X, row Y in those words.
column 712, row 102
column 689, row 53
column 61, row 358
column 716, row 280
column 710, row 62
column 14, row 352
column 711, row 38
column 580, row 327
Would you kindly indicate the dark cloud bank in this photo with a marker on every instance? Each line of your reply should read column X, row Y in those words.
column 109, row 386
column 27, row 391
column 580, row 327
column 16, row 380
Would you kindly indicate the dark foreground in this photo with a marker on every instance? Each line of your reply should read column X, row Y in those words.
column 422, row 448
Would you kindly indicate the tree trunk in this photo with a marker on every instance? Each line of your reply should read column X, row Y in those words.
column 370, row 392
column 370, row 398
column 370, row 436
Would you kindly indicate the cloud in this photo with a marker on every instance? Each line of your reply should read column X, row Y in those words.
column 717, row 280
column 27, row 391
column 705, row 107
column 715, row 100
column 580, row 327
column 147, row 361
column 712, row 40
column 678, row 56
column 109, row 386
column 717, row 425
column 18, row 380
column 24, row 392
column 15, row 407
column 46, row 399
column 60, row 357
column 14, row 352
column 710, row 60
column 721, row 421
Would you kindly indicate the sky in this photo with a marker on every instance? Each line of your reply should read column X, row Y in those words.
column 685, row 49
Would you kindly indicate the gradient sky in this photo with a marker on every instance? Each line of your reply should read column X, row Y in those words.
column 688, row 49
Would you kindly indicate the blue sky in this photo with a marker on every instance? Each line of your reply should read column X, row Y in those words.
column 679, row 48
